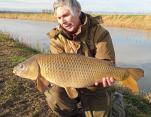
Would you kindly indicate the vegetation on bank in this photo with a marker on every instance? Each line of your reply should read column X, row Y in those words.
column 29, row 16
column 19, row 97
column 136, row 105
column 129, row 21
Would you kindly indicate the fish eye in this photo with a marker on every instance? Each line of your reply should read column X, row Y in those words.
column 21, row 66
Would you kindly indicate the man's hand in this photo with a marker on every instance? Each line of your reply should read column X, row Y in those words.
column 105, row 81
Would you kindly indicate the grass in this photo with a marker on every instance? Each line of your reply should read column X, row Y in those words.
column 135, row 104
column 16, row 59
column 19, row 97
column 29, row 16
column 129, row 21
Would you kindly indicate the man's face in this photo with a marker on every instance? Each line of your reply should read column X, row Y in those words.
column 67, row 20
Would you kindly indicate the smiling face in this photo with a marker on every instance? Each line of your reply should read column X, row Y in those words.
column 65, row 18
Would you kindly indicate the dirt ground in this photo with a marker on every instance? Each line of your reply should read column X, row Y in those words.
column 18, row 97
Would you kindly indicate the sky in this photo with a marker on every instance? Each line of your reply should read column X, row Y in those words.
column 136, row 6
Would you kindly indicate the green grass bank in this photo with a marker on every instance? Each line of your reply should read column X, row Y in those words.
column 18, row 97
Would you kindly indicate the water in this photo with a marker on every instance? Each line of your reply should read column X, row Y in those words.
column 133, row 49
column 132, row 46
column 32, row 33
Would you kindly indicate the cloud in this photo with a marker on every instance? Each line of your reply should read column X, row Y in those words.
column 23, row 4
column 116, row 5
column 87, row 5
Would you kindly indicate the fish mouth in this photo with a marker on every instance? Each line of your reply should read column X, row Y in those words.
column 14, row 72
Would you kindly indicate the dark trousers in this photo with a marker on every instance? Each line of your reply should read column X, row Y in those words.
column 92, row 102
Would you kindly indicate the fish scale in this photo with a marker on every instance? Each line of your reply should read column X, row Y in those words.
column 72, row 70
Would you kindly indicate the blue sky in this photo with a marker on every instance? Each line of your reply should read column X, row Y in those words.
column 87, row 5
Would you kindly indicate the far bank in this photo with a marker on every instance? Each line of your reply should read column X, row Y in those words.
column 127, row 21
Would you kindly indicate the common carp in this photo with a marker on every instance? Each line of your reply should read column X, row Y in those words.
column 75, row 71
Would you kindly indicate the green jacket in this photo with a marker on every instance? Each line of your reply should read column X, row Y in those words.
column 92, row 40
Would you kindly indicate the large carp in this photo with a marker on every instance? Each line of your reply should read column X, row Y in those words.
column 75, row 71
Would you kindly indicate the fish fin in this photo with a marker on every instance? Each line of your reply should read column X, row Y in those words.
column 42, row 84
column 71, row 92
column 131, row 84
column 136, row 72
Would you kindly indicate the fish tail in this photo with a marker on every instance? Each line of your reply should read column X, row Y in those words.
column 131, row 84
column 137, row 73
column 131, row 81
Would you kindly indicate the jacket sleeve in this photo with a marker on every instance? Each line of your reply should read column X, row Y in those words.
column 104, row 45
column 56, row 46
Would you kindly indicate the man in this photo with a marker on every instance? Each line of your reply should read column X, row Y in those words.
column 80, row 33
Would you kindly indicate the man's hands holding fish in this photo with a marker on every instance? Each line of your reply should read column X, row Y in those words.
column 106, row 81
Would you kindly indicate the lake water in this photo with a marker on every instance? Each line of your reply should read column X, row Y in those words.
column 132, row 46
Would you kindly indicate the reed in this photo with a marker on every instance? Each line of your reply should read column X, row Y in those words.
column 29, row 16
column 128, row 21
